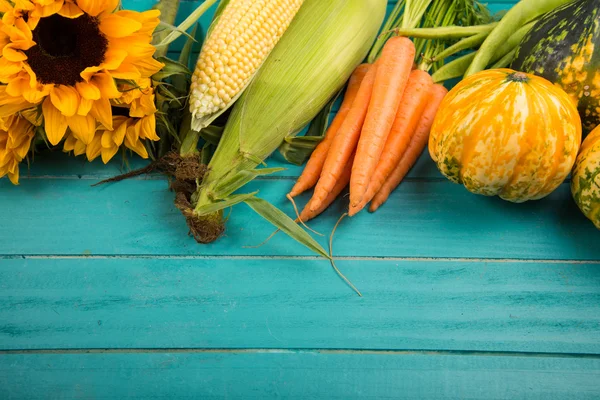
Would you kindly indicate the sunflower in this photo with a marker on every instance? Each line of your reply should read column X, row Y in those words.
column 67, row 59
column 16, row 133
column 133, row 121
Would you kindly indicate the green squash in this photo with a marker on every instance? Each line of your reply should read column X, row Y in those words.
column 585, row 182
column 561, row 47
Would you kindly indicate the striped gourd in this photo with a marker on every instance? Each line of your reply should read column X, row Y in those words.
column 506, row 133
column 585, row 183
column 563, row 47
column 239, row 41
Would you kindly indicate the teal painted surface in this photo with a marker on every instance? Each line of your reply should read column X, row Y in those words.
column 297, row 375
column 465, row 297
column 423, row 218
column 299, row 303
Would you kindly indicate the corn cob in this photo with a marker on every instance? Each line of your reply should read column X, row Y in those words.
column 309, row 65
column 239, row 42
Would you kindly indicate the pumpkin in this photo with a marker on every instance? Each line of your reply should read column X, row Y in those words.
column 505, row 133
column 564, row 47
column 585, row 182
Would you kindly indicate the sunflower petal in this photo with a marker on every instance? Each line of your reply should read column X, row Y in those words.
column 93, row 149
column 148, row 66
column 108, row 153
column 85, row 106
column 106, row 139
column 54, row 122
column 12, row 54
column 14, row 176
column 17, row 86
column 66, row 99
column 116, row 26
column 103, row 113
column 70, row 10
column 126, row 71
column 148, row 128
column 8, row 69
column 88, row 90
column 118, row 134
column 113, row 58
column 83, row 127
column 106, row 84
column 69, row 144
column 93, row 7
column 89, row 72
column 50, row 9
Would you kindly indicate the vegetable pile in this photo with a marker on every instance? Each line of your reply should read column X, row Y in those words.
column 501, row 102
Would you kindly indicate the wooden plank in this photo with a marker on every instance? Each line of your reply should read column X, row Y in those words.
column 298, row 303
column 421, row 219
column 295, row 375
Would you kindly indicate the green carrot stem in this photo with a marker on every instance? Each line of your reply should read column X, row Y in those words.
column 522, row 13
column 446, row 32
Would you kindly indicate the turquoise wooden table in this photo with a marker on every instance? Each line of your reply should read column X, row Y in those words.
column 104, row 296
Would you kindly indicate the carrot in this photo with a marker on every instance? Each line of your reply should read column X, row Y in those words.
column 345, row 140
column 394, row 66
column 415, row 147
column 307, row 214
column 413, row 103
column 312, row 171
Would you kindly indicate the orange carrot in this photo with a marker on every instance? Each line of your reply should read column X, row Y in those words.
column 345, row 140
column 314, row 166
column 415, row 148
column 394, row 66
column 414, row 101
column 307, row 214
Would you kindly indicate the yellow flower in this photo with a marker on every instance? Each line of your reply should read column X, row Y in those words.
column 133, row 122
column 16, row 134
column 63, row 56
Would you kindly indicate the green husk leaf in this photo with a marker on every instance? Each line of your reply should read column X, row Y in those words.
column 227, row 187
column 168, row 13
column 168, row 28
column 286, row 224
column 225, row 203
column 206, row 153
column 188, row 22
column 297, row 149
column 171, row 68
column 212, row 134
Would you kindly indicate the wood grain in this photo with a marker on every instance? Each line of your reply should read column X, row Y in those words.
column 422, row 219
column 296, row 375
column 273, row 303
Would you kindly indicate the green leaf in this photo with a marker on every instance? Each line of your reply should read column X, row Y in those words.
column 242, row 178
column 206, row 153
column 297, row 149
column 285, row 223
column 229, row 202
column 188, row 22
column 212, row 134
column 171, row 68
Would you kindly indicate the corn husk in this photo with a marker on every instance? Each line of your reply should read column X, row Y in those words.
column 310, row 64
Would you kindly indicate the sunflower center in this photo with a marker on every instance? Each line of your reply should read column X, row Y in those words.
column 65, row 48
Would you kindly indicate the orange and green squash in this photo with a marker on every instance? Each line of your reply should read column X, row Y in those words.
column 585, row 182
column 564, row 47
column 505, row 133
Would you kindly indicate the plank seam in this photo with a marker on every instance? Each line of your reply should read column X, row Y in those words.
column 292, row 258
column 333, row 351
column 158, row 177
